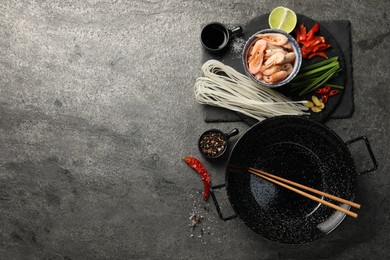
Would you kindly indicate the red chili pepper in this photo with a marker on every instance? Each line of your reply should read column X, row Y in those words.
column 310, row 44
column 323, row 90
column 320, row 38
column 314, row 29
column 321, row 47
column 307, row 43
column 304, row 54
column 306, row 50
column 297, row 35
column 197, row 165
column 319, row 53
column 302, row 32
column 324, row 98
column 333, row 92
column 309, row 48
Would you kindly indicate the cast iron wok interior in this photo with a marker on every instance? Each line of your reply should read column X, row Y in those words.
column 298, row 149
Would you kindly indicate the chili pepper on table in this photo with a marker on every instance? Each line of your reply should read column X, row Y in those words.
column 197, row 165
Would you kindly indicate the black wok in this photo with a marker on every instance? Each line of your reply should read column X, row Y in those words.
column 303, row 151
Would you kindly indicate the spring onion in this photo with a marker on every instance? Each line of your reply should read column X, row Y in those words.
column 315, row 75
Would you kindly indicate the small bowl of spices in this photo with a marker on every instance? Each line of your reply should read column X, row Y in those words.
column 213, row 143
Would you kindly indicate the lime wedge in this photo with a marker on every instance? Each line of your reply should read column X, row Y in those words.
column 283, row 19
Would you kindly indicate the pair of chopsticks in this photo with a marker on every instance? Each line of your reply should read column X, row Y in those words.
column 284, row 183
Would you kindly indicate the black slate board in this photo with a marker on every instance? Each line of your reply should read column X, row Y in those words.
column 338, row 33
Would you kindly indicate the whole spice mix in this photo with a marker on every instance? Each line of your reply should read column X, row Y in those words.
column 212, row 143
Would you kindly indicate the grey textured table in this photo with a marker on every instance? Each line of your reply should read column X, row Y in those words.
column 97, row 111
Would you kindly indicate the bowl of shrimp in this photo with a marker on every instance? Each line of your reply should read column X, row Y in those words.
column 271, row 58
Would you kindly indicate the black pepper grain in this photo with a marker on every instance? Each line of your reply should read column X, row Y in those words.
column 212, row 143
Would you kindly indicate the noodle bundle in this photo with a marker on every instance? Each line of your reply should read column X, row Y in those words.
column 222, row 86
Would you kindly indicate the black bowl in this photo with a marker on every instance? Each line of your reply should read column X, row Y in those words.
column 223, row 139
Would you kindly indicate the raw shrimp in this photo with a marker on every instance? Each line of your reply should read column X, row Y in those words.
column 275, row 59
column 270, row 52
column 270, row 46
column 289, row 57
column 256, row 49
column 272, row 70
column 259, row 75
column 274, row 38
column 276, row 77
column 286, row 67
column 256, row 59
column 288, row 46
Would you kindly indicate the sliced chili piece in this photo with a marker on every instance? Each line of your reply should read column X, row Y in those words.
column 308, row 43
column 304, row 54
column 333, row 92
column 316, row 43
column 314, row 29
column 302, row 32
column 308, row 49
column 297, row 35
column 319, row 53
column 197, row 165
column 324, row 98
column 320, row 38
column 321, row 47
column 323, row 90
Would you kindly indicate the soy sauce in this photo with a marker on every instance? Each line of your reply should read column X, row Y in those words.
column 214, row 37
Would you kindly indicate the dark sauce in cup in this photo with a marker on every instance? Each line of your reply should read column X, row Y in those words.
column 214, row 36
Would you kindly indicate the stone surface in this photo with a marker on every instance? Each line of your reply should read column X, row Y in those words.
column 97, row 111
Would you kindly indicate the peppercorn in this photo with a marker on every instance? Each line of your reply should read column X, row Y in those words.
column 212, row 143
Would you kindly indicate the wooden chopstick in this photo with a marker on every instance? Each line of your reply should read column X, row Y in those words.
column 307, row 195
column 350, row 203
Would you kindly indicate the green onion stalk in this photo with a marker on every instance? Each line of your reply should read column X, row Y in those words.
column 316, row 75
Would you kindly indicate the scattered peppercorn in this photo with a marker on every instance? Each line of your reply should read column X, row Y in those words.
column 195, row 221
column 212, row 143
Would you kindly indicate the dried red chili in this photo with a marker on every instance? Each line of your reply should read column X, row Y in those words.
column 197, row 165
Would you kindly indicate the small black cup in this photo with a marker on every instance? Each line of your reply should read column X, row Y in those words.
column 217, row 136
column 215, row 36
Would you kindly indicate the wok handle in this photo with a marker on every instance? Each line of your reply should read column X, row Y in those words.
column 371, row 153
column 216, row 202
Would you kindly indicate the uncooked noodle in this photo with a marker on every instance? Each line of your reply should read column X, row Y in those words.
column 223, row 86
